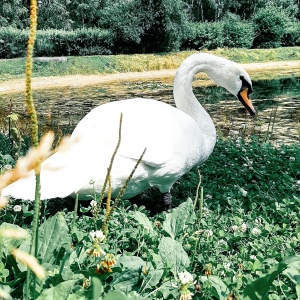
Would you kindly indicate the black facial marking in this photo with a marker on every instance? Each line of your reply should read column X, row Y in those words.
column 245, row 85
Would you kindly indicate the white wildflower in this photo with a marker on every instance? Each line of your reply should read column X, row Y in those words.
column 98, row 234
column 93, row 203
column 208, row 233
column 253, row 257
column 243, row 227
column 17, row 208
column 222, row 242
column 244, row 193
column 185, row 277
column 292, row 158
column 256, row 231
column 234, row 228
column 227, row 265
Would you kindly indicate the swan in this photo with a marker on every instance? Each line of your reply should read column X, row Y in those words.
column 176, row 139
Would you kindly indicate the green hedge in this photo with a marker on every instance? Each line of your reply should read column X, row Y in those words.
column 231, row 32
column 227, row 33
column 56, row 42
column 13, row 42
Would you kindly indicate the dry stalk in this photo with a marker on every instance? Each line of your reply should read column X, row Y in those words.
column 101, row 196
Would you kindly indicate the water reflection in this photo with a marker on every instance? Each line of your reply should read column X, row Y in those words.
column 277, row 103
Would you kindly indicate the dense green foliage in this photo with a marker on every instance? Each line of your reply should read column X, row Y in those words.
column 243, row 242
column 142, row 26
column 270, row 26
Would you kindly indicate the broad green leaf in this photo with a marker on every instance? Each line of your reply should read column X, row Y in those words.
column 97, row 287
column 127, row 280
column 78, row 295
column 53, row 237
column 218, row 285
column 155, row 270
column 131, row 262
column 180, row 217
column 7, row 243
column 62, row 291
column 143, row 220
column 173, row 254
column 130, row 276
column 117, row 295
column 259, row 288
column 293, row 273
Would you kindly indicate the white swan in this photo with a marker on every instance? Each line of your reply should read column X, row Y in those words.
column 176, row 139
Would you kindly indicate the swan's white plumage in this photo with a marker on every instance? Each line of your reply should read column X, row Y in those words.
column 176, row 140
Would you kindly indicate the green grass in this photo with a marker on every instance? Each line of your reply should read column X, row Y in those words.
column 249, row 224
column 14, row 68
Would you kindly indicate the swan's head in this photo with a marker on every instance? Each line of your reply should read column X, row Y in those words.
column 233, row 78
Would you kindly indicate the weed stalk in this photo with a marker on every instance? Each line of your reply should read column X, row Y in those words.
column 34, row 136
column 99, row 202
column 75, row 213
column 108, row 208
column 122, row 191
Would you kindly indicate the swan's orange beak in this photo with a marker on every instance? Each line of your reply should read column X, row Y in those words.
column 243, row 97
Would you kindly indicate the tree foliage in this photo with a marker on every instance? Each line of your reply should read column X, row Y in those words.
column 270, row 24
column 141, row 26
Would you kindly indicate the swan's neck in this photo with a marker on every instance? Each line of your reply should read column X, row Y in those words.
column 186, row 101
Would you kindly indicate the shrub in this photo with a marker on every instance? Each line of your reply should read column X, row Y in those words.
column 237, row 33
column 232, row 32
column 12, row 42
column 56, row 42
column 270, row 27
column 78, row 42
column 291, row 36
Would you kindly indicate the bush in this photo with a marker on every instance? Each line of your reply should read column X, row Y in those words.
column 270, row 26
column 12, row 42
column 55, row 42
column 232, row 32
column 78, row 42
column 291, row 36
column 237, row 33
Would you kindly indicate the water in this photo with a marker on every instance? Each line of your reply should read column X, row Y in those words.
column 276, row 101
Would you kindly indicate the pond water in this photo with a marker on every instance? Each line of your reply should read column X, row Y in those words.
column 276, row 101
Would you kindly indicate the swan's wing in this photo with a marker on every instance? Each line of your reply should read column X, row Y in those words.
column 160, row 128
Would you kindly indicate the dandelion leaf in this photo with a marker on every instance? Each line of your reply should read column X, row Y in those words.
column 130, row 276
column 259, row 288
column 180, row 217
column 218, row 286
column 97, row 288
column 54, row 240
column 144, row 221
column 117, row 295
column 173, row 254
column 7, row 243
column 62, row 291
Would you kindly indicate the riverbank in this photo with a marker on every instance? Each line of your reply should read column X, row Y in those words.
column 257, row 71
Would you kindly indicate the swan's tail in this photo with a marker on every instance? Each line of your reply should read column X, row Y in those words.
column 59, row 178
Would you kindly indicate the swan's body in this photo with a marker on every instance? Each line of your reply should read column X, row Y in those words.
column 176, row 139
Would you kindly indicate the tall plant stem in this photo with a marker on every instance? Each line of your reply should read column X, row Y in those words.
column 34, row 136
column 75, row 213
column 98, row 207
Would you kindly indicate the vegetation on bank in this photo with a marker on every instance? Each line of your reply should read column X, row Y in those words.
column 139, row 26
column 90, row 65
